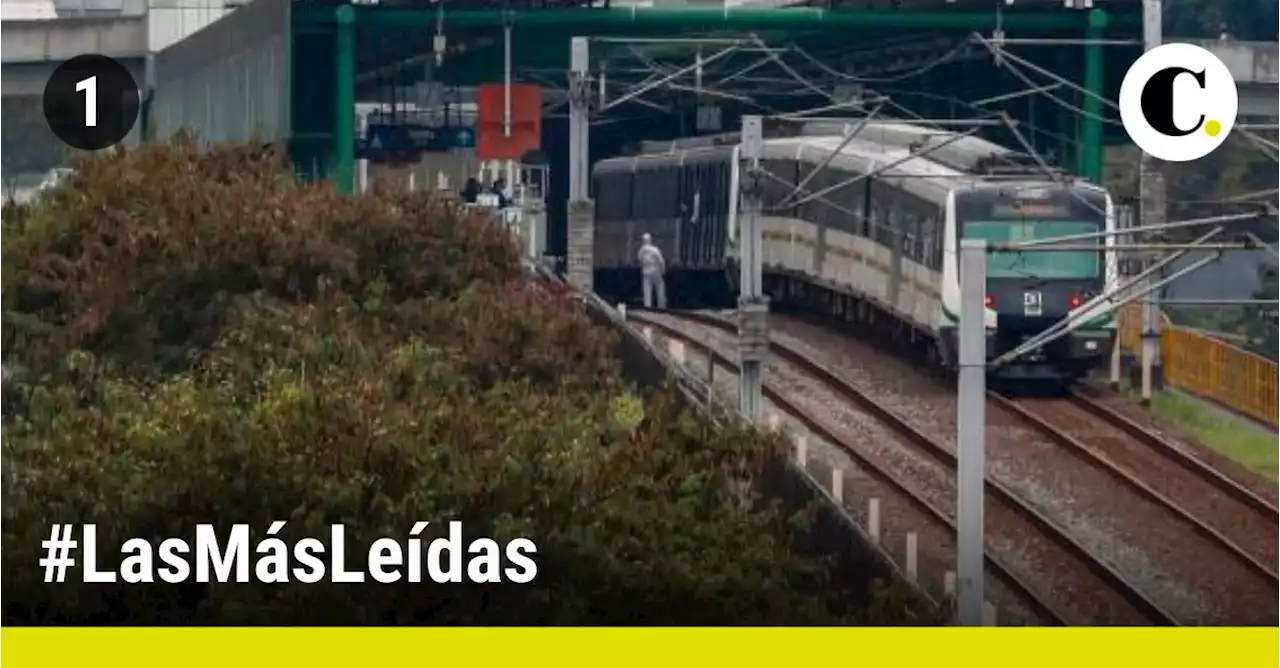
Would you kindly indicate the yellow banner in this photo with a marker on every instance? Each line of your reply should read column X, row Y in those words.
column 647, row 648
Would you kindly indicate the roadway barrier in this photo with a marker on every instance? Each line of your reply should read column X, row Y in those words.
column 1208, row 367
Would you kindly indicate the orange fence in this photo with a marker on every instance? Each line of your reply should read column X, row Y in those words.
column 1209, row 368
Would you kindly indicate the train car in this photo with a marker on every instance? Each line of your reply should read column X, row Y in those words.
column 876, row 230
column 679, row 193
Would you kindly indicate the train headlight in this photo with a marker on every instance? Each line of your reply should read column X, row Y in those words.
column 1091, row 345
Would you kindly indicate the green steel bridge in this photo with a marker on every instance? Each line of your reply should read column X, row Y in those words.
column 292, row 70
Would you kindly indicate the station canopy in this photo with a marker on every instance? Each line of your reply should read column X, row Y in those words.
column 1045, row 66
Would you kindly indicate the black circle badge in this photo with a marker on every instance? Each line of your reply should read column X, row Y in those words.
column 91, row 102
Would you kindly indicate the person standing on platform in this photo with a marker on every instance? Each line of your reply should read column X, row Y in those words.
column 653, row 269
column 471, row 191
column 500, row 189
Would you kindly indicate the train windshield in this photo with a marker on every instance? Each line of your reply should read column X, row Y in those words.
column 1036, row 264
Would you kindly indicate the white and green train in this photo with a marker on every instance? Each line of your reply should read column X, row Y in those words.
column 881, row 240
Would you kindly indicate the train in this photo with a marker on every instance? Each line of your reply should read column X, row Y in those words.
column 872, row 236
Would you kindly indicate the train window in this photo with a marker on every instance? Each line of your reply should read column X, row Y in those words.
column 668, row 195
column 689, row 183
column 642, row 195
column 604, row 206
column 615, row 195
column 818, row 209
column 910, row 215
column 845, row 200
column 882, row 219
column 810, row 210
column 710, row 201
column 777, row 189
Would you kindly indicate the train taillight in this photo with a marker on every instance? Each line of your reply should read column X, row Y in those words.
column 989, row 301
column 1074, row 301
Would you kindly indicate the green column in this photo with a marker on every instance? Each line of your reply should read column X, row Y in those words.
column 344, row 100
column 1091, row 124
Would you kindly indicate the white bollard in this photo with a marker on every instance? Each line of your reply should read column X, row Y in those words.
column 802, row 450
column 413, row 182
column 913, row 566
column 362, row 175
column 676, row 350
column 949, row 584
column 988, row 614
column 774, row 421
column 837, row 485
column 622, row 310
column 873, row 520
column 648, row 333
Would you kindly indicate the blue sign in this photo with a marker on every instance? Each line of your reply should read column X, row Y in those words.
column 386, row 141
column 387, row 138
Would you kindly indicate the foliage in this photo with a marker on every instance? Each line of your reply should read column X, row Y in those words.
column 1261, row 321
column 192, row 337
column 26, row 145
column 1251, row 20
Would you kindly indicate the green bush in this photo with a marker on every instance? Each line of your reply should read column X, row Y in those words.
column 193, row 337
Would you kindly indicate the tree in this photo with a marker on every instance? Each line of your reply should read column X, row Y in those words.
column 1245, row 20
column 1261, row 321
column 194, row 337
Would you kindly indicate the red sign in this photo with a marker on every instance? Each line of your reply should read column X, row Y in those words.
column 492, row 143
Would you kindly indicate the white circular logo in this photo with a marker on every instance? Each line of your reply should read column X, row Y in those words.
column 1178, row 102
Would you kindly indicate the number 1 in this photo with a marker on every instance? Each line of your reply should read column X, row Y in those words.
column 90, row 89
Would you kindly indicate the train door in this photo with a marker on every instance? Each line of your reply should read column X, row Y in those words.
column 695, row 217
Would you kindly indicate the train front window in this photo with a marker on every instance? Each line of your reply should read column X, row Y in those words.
column 1036, row 264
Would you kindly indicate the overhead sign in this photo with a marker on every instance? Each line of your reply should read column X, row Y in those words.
column 493, row 141
column 388, row 142
column 710, row 118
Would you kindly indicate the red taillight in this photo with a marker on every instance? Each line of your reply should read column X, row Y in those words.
column 989, row 301
column 1074, row 301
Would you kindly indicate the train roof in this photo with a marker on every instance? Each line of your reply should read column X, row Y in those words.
column 917, row 175
column 967, row 154
column 921, row 159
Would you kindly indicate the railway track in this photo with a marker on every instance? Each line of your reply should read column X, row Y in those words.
column 1189, row 544
column 1223, row 511
column 1038, row 546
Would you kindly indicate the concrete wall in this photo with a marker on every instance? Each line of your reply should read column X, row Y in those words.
column 1248, row 62
column 170, row 21
column 56, row 40
column 230, row 80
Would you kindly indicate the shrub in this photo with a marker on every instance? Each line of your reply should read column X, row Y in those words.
column 193, row 338
column 140, row 255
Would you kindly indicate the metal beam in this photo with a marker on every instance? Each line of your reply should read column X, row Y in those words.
column 753, row 305
column 600, row 19
column 1159, row 227
column 344, row 100
column 971, row 436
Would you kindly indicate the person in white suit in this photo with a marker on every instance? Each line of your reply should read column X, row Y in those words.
column 652, row 272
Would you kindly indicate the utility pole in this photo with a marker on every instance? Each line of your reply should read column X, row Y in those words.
column 1151, row 195
column 581, row 211
column 508, row 74
column 971, row 432
column 1124, row 220
column 1153, row 213
column 753, row 306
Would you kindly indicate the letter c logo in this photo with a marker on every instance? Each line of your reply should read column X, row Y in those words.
column 1157, row 101
column 1178, row 102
